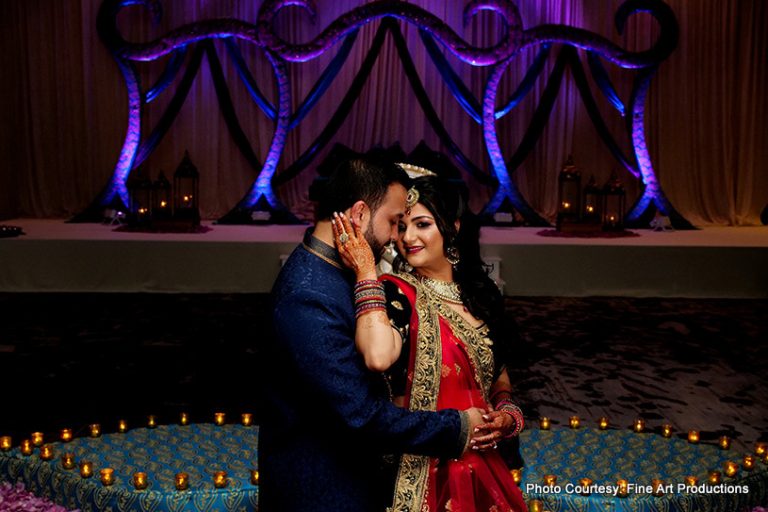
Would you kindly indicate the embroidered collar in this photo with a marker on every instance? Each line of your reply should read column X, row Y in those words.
column 322, row 250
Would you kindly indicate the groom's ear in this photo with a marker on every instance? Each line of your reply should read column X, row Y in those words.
column 359, row 213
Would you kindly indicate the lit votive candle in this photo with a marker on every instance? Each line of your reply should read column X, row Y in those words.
column 666, row 430
column 66, row 435
column 122, row 426
column 724, row 442
column 107, row 476
column 536, row 506
column 220, row 479
column 691, row 481
column 140, row 481
column 68, row 460
column 602, row 423
column 183, row 419
column 86, row 469
column 182, row 481
column 749, row 462
column 657, row 487
column 638, row 425
column 26, row 447
column 94, row 429
column 219, row 418
column 544, row 423
column 761, row 449
column 574, row 422
column 46, row 452
column 255, row 476
column 247, row 419
column 623, row 488
column 37, row 438
column 517, row 476
column 730, row 468
column 693, row 436
column 584, row 484
column 714, row 477
column 550, row 480
column 5, row 443
column 151, row 421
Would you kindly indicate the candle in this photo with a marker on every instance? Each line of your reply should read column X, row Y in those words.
column 26, row 447
column 37, row 438
column 761, row 449
column 247, row 419
column 573, row 421
column 220, row 479
column 544, row 423
column 46, row 452
column 536, row 506
column 731, row 468
column 107, row 476
column 584, row 484
column 68, row 460
column 151, row 421
column 666, row 430
column 122, row 426
column 623, row 486
column 602, row 423
column 517, row 475
column 550, row 480
column 639, row 425
column 182, row 481
column 749, row 462
column 657, row 486
column 5, row 443
column 184, row 419
column 219, row 418
column 724, row 443
column 140, row 481
column 94, row 429
column 691, row 481
column 714, row 477
column 255, row 476
column 693, row 436
column 86, row 469
column 66, row 435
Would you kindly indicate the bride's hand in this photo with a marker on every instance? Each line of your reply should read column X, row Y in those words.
column 487, row 435
column 353, row 248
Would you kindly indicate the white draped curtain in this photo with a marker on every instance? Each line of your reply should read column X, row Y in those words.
column 64, row 106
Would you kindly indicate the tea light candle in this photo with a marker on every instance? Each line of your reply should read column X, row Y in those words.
column 219, row 418
column 602, row 423
column 536, row 506
column 86, row 469
column 574, row 422
column 516, row 475
column 693, row 436
column 731, row 468
column 182, row 481
column 140, row 481
column 691, row 481
column 26, row 447
column 183, row 419
column 584, row 483
column 623, row 486
column 107, row 476
column 151, row 421
column 122, row 426
column 37, row 438
column 749, row 462
column 657, row 486
column 46, row 452
column 544, row 423
column 94, row 429
column 68, row 460
column 724, row 442
column 761, row 449
column 255, row 476
column 5, row 443
column 66, row 435
column 639, row 425
column 666, row 430
column 550, row 480
column 247, row 419
column 714, row 477
column 220, row 479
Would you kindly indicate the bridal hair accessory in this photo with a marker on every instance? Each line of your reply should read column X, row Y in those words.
column 413, row 171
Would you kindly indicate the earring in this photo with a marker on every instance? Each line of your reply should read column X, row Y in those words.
column 452, row 255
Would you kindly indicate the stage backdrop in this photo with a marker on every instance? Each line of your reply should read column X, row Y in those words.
column 64, row 105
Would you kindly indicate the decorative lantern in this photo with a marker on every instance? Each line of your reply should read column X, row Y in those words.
column 592, row 202
column 568, row 193
column 140, row 191
column 614, row 198
column 186, row 190
column 161, row 197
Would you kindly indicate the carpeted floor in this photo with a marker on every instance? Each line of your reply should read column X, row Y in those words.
column 67, row 360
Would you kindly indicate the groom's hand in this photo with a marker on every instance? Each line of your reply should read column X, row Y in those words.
column 475, row 416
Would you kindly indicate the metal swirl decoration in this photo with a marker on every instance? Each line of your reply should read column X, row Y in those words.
column 261, row 34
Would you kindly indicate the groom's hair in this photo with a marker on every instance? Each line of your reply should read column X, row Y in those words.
column 356, row 179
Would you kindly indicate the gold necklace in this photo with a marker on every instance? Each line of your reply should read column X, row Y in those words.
column 447, row 291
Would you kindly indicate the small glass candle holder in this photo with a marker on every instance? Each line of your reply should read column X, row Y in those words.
column 86, row 469
column 666, row 430
column 657, row 487
column 37, row 438
column 693, row 436
column 691, row 481
column 536, row 506
column 639, row 425
column 6, row 443
column 68, row 460
column 122, row 426
column 730, row 468
column 247, row 419
column 622, row 488
column 140, row 481
column 584, row 486
column 94, row 430
column 220, row 479
column 219, row 418
column 26, row 447
column 761, row 449
column 544, row 423
column 748, row 463
column 714, row 477
column 255, row 476
column 183, row 419
column 550, row 480
column 181, row 481
column 574, row 422
column 602, row 423
column 724, row 442
column 151, row 421
column 46, row 452
column 66, row 435
column 107, row 476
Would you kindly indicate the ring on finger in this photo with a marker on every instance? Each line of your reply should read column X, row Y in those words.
column 343, row 238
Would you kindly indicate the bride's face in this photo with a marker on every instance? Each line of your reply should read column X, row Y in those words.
column 420, row 241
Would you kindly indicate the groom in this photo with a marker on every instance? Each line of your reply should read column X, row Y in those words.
column 327, row 421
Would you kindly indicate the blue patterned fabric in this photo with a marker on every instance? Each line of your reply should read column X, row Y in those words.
column 197, row 449
column 605, row 456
